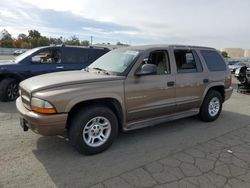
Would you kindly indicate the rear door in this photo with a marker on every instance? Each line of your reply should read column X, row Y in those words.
column 74, row 58
column 190, row 79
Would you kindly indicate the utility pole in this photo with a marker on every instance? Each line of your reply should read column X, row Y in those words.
column 91, row 40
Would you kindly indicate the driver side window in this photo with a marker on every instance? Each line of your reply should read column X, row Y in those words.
column 161, row 60
column 47, row 56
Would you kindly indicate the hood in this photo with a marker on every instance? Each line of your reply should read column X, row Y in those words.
column 51, row 80
column 7, row 62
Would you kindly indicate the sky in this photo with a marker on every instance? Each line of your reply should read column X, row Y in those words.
column 214, row 23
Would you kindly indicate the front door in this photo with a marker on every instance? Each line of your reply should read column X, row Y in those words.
column 151, row 96
column 46, row 60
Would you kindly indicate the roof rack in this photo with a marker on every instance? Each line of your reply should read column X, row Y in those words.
column 99, row 47
column 57, row 45
column 188, row 46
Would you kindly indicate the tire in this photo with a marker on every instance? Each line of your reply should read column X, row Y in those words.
column 211, row 107
column 8, row 89
column 84, row 121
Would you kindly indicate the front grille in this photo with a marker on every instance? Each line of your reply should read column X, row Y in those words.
column 25, row 98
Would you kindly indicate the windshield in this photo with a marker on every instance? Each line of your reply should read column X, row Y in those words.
column 24, row 55
column 116, row 61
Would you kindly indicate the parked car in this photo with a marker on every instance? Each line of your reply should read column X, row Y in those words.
column 243, row 76
column 43, row 60
column 232, row 62
column 19, row 52
column 125, row 89
column 235, row 66
column 248, row 76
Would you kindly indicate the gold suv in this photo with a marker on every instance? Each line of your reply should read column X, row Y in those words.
column 125, row 89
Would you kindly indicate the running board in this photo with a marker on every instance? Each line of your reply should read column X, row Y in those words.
column 159, row 120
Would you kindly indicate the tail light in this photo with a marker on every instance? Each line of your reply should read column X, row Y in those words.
column 228, row 81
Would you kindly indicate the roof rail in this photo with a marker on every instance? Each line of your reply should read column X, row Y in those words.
column 99, row 47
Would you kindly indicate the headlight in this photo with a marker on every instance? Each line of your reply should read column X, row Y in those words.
column 42, row 106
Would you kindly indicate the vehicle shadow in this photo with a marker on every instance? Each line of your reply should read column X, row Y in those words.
column 68, row 168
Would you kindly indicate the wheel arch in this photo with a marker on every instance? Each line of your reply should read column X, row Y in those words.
column 220, row 88
column 111, row 103
column 11, row 75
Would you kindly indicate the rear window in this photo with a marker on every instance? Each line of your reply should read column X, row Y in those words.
column 213, row 60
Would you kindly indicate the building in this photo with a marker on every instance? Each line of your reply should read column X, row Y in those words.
column 236, row 52
column 247, row 53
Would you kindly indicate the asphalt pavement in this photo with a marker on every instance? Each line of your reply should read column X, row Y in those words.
column 183, row 152
column 3, row 58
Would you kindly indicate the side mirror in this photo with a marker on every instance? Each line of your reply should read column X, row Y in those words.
column 147, row 69
column 36, row 59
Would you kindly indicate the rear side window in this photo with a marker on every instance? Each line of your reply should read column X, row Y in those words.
column 187, row 61
column 213, row 60
column 75, row 55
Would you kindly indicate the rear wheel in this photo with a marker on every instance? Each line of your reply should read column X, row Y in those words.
column 211, row 106
column 93, row 130
column 8, row 89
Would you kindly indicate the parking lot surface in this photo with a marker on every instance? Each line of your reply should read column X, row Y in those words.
column 3, row 58
column 182, row 153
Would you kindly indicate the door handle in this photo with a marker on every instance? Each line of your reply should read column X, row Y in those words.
column 60, row 67
column 170, row 84
column 205, row 81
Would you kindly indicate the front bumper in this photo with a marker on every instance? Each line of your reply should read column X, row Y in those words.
column 47, row 125
column 228, row 93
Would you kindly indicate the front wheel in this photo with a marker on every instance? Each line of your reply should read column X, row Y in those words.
column 8, row 89
column 93, row 130
column 211, row 106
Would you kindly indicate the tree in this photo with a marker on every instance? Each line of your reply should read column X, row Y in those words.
column 25, row 45
column 85, row 43
column 43, row 41
column 6, row 39
column 22, row 37
column 224, row 54
column 5, row 35
column 56, row 40
column 74, row 41
column 34, row 34
column 18, row 43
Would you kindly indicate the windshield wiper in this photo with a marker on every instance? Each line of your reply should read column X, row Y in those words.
column 103, row 70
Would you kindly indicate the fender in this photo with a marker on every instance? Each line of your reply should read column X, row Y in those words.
column 117, row 98
column 78, row 100
column 15, row 75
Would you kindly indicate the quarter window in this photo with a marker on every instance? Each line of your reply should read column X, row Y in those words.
column 213, row 60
